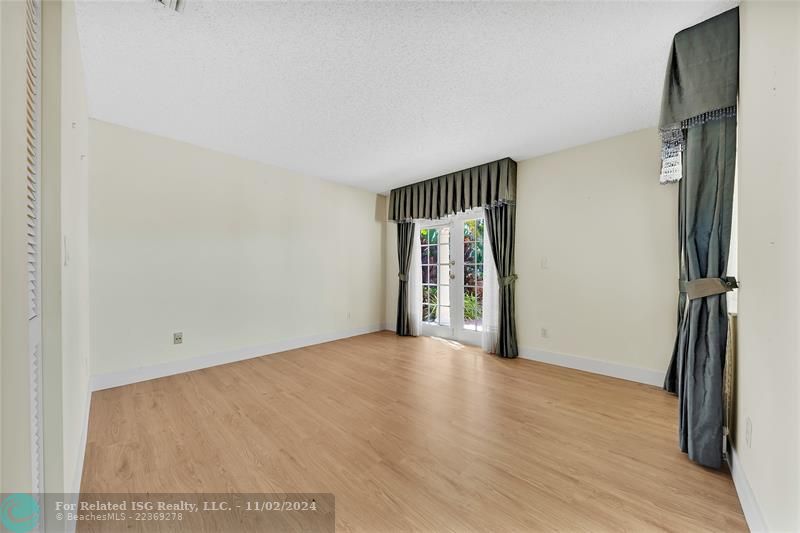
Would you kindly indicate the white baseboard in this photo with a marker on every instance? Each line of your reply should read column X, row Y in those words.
column 135, row 375
column 596, row 366
column 752, row 512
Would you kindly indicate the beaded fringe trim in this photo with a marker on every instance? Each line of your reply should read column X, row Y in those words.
column 673, row 141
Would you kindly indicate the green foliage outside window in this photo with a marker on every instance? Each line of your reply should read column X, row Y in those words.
column 471, row 310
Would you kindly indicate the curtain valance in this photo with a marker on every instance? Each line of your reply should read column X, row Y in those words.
column 701, row 84
column 489, row 184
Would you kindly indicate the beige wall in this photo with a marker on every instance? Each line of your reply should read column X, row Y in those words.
column 74, row 137
column 233, row 253
column 596, row 254
column 769, row 239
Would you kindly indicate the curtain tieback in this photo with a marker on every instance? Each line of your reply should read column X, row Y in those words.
column 702, row 287
column 402, row 277
column 508, row 280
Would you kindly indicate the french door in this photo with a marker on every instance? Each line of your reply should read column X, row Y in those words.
column 451, row 262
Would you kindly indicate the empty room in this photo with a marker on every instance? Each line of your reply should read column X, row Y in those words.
column 383, row 266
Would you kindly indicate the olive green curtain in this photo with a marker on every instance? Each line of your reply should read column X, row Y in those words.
column 405, row 246
column 701, row 84
column 698, row 126
column 500, row 228
column 703, row 69
column 698, row 360
column 485, row 185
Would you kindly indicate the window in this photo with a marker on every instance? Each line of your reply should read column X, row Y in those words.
column 473, row 274
column 435, row 250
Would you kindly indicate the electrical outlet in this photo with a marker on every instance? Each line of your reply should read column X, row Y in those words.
column 544, row 333
column 545, row 265
column 177, row 338
column 748, row 432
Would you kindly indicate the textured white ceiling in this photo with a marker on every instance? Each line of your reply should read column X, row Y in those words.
column 378, row 95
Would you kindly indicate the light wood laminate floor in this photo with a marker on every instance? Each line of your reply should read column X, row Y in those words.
column 413, row 434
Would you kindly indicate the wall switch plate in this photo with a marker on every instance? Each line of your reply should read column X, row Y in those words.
column 544, row 333
column 177, row 338
column 748, row 431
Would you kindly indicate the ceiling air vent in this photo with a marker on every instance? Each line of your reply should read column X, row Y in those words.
column 174, row 5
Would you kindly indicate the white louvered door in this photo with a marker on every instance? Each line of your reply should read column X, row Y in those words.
column 33, row 189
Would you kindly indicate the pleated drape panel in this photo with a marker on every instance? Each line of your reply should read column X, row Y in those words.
column 489, row 184
column 698, row 133
column 698, row 362
column 405, row 247
column 500, row 228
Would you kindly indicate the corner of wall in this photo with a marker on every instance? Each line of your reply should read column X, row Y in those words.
column 765, row 462
column 747, row 499
column 381, row 213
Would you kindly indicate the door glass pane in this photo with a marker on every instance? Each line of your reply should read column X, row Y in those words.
column 436, row 271
column 470, row 308
column 435, row 265
column 469, row 276
column 469, row 231
column 469, row 252
column 473, row 274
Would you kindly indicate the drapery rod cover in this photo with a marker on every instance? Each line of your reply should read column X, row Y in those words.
column 489, row 184
column 701, row 85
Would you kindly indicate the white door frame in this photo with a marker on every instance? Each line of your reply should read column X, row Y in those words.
column 438, row 330
column 455, row 331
